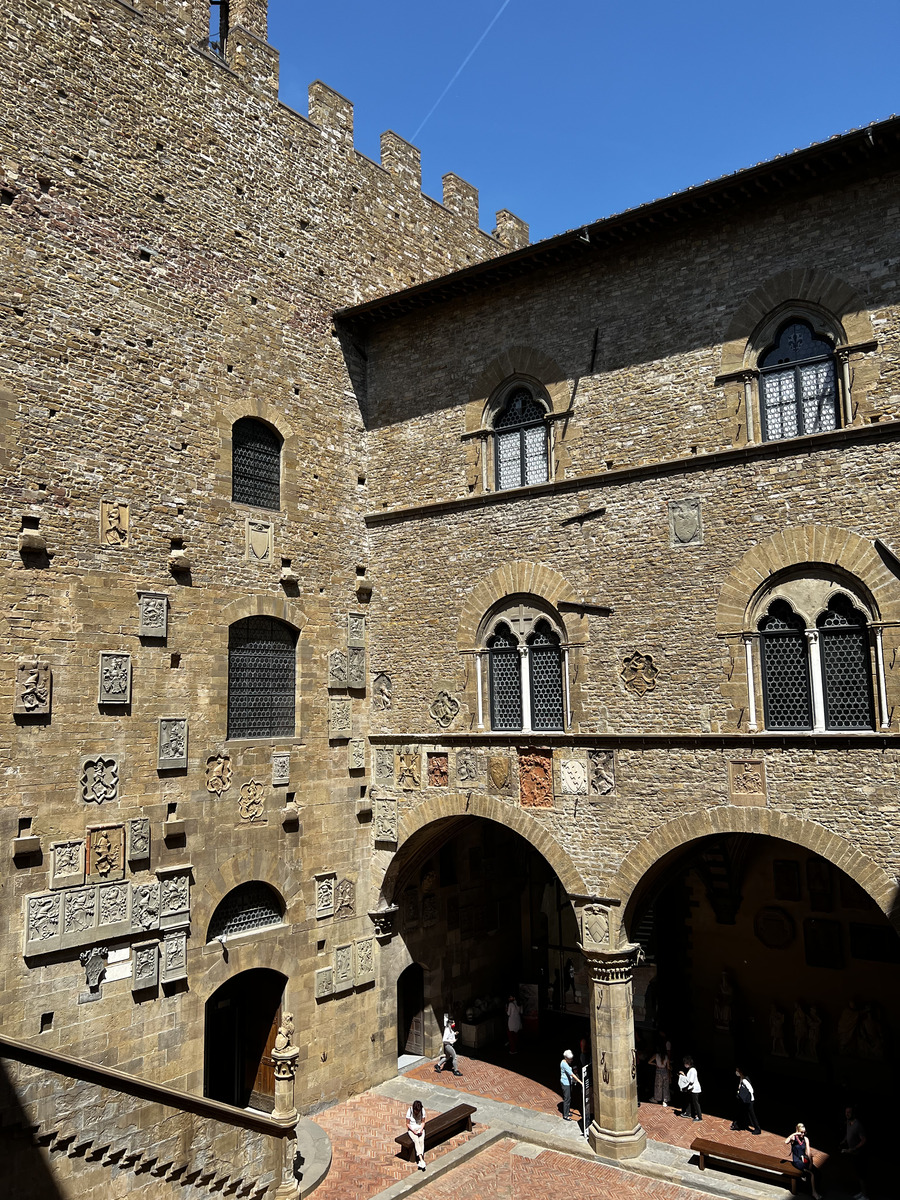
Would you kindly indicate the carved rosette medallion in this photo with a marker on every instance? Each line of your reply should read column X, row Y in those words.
column 153, row 614
column 114, row 523
column 444, row 710
column 252, row 801
column 573, row 777
column 382, row 692
column 685, row 522
column 219, row 774
column 747, row 779
column 536, row 778
column 34, row 686
column 172, row 743
column 99, row 779
column 639, row 673
column 386, row 821
column 259, row 540
column 325, row 894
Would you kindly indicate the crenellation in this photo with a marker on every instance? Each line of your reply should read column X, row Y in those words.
column 402, row 159
column 460, row 197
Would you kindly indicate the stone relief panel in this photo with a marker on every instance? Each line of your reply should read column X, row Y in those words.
column 338, row 718
column 444, row 709
column 174, row 897
column 219, row 774
column 343, row 968
column 356, row 667
column 172, row 743
column 251, row 802
column 324, row 983
column 115, row 521
column 639, row 673
column 344, row 898
column 114, row 904
column 356, row 754
column 384, row 765
column 153, row 614
column 99, row 779
column 382, row 692
column 573, row 777
column 105, row 853
column 685, row 522
column 145, row 907
column 79, row 910
column 67, row 863
column 281, row 768
column 325, row 894
column 115, row 678
column 602, row 773
column 747, row 779
column 144, row 966
column 595, row 926
column 138, row 842
column 536, row 779
column 365, row 960
column 43, row 921
column 386, row 821
column 174, row 956
column 438, row 770
column 259, row 540
column 356, row 630
column 34, row 689
column 469, row 767
column 501, row 776
column 94, row 963
column 337, row 669
column 409, row 768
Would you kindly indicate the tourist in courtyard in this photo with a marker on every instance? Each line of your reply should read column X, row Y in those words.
column 801, row 1156
column 415, row 1125
column 660, row 1062
column 448, row 1052
column 689, row 1084
column 513, row 1023
column 566, row 1078
column 854, row 1146
column 746, row 1112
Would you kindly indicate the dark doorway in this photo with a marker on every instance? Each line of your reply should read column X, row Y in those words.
column 411, row 1011
column 242, row 1019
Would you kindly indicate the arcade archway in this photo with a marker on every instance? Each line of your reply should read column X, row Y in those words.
column 242, row 1018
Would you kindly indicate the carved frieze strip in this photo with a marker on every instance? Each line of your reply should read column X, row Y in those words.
column 153, row 614
column 34, row 688
column 114, row 678
column 74, row 918
column 172, row 744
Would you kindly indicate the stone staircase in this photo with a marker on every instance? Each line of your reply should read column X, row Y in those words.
column 74, row 1130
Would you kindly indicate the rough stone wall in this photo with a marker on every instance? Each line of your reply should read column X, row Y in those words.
column 173, row 241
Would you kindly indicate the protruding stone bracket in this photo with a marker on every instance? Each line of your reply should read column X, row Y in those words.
column 384, row 920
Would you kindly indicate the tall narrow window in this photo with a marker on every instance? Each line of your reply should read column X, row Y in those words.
column 798, row 384
column 506, row 679
column 262, row 656
column 255, row 464
column 520, row 441
column 846, row 670
column 545, row 666
column 785, row 669
column 218, row 26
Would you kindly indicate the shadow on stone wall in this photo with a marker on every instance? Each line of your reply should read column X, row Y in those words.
column 24, row 1172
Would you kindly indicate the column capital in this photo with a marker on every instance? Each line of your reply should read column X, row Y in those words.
column 613, row 965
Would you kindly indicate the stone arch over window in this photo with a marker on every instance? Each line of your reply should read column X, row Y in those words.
column 250, row 905
column 798, row 357
column 723, row 819
column 268, row 417
column 525, row 647
column 262, row 678
column 526, row 390
column 256, row 464
column 816, row 608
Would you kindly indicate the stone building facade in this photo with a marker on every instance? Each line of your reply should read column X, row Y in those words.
column 354, row 554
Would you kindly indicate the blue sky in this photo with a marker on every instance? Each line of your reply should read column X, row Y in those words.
column 570, row 111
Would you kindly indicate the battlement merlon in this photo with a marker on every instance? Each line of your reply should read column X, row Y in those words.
column 460, row 197
column 511, row 231
column 402, row 159
column 331, row 112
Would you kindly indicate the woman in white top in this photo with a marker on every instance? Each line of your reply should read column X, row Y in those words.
column 690, row 1089
column 513, row 1023
column 415, row 1124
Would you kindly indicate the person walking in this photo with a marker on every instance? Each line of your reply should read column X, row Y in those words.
column 513, row 1023
column 854, row 1145
column 415, row 1125
column 566, row 1078
column 746, row 1112
column 689, row 1084
column 448, row 1056
column 801, row 1156
column 660, row 1061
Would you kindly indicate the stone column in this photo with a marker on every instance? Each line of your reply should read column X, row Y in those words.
column 615, row 1131
column 285, row 1057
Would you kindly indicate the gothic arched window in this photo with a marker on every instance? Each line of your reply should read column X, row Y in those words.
column 262, row 656
column 846, row 672
column 785, row 669
column 520, row 440
column 252, row 905
column 526, row 670
column 798, row 384
column 255, row 464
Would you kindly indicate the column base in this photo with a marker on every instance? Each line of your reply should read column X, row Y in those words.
column 610, row 1144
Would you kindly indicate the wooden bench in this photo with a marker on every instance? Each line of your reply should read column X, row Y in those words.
column 748, row 1158
column 444, row 1125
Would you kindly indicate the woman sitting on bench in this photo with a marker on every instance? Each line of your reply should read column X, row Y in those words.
column 801, row 1156
column 415, row 1124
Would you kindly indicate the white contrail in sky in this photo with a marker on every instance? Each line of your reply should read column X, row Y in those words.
column 461, row 68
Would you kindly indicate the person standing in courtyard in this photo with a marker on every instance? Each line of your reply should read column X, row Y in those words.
column 746, row 1117
column 448, row 1055
column 566, row 1078
column 415, row 1126
column 513, row 1023
column 660, row 1061
column 801, row 1156
column 689, row 1084
column 855, row 1146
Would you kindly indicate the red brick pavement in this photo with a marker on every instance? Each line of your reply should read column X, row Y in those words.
column 365, row 1156
column 496, row 1083
column 499, row 1174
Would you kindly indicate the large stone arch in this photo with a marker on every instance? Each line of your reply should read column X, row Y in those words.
column 282, row 608
column 444, row 808
column 518, row 579
column 724, row 819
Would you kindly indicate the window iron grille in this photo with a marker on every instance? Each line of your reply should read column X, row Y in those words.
column 261, row 678
column 255, row 464
column 520, row 441
column 545, row 670
column 252, row 905
column 846, row 667
column 798, row 384
column 505, row 680
column 785, row 669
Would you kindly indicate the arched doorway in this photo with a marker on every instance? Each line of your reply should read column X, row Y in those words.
column 761, row 953
column 242, row 1018
column 411, row 1011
